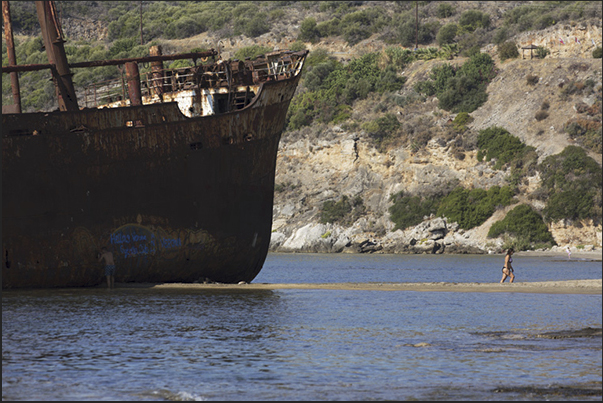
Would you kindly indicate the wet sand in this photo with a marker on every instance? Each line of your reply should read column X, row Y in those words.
column 543, row 287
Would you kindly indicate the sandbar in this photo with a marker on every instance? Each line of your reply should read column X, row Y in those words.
column 542, row 287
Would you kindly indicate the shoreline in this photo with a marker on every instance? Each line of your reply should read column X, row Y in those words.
column 594, row 255
column 542, row 287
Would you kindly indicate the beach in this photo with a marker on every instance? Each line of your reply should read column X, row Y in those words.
column 582, row 286
column 545, row 287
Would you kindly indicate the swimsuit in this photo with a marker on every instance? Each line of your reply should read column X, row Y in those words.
column 110, row 270
column 510, row 269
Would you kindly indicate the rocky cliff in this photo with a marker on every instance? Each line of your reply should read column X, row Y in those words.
column 318, row 164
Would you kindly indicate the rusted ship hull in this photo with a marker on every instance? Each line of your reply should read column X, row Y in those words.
column 176, row 199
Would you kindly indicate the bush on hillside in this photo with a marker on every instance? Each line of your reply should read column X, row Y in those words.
column 382, row 127
column 525, row 226
column 500, row 35
column 597, row 53
column 571, row 186
column 446, row 34
column 471, row 208
column 542, row 52
column 497, row 143
column 445, row 10
column 252, row 51
column 255, row 26
column 461, row 89
column 343, row 211
column 408, row 211
column 507, row 50
column 407, row 32
column 472, row 19
column 461, row 121
column 308, row 31
column 343, row 85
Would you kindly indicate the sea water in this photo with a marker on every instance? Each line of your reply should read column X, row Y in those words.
column 296, row 344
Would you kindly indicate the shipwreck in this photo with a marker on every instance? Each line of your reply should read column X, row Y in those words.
column 172, row 170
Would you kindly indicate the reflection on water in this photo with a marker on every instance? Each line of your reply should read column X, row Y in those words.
column 171, row 344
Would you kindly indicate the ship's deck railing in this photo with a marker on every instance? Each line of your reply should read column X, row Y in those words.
column 105, row 92
column 174, row 80
column 116, row 90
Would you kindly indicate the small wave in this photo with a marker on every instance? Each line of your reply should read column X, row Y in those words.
column 502, row 335
column 178, row 396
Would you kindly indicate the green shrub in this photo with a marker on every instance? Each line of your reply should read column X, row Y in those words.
column 334, row 84
column 497, row 143
column 408, row 211
column 256, row 26
column 507, row 50
column 542, row 52
column 460, row 89
column 525, row 225
column 297, row 46
column 308, row 31
column 445, row 10
column 571, row 186
column 335, row 211
column 382, row 127
column 252, row 51
column 471, row 208
column 397, row 57
column 597, row 53
column 500, row 35
column 587, row 131
column 472, row 19
column 408, row 35
column 343, row 211
column 461, row 121
column 446, row 34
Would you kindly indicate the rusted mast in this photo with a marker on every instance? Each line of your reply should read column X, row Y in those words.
column 133, row 78
column 157, row 69
column 55, row 51
column 12, row 59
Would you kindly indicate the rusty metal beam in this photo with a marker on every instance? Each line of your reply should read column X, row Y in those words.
column 157, row 69
column 133, row 78
column 55, row 50
column 12, row 59
column 114, row 62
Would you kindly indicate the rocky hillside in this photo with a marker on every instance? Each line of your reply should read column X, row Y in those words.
column 314, row 166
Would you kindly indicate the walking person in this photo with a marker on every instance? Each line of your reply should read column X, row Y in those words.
column 507, row 269
column 107, row 256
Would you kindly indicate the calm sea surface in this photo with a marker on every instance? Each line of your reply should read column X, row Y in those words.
column 154, row 344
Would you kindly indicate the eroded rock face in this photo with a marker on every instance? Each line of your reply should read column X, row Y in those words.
column 322, row 163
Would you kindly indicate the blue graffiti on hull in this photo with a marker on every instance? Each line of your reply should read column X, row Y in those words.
column 134, row 240
column 169, row 243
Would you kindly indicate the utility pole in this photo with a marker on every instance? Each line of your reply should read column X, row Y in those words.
column 416, row 25
column 141, row 42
